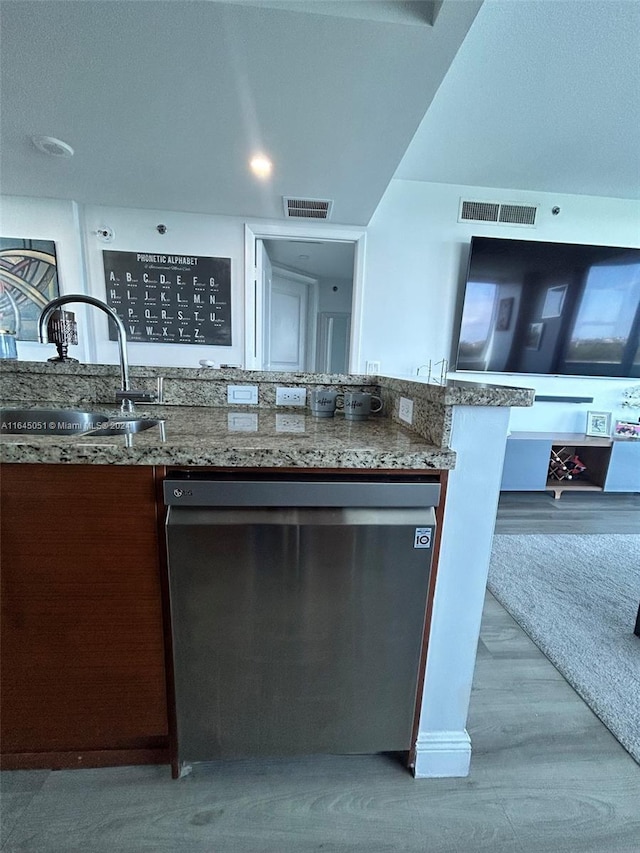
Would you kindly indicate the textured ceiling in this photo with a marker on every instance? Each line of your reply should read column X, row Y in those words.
column 542, row 96
column 320, row 259
column 164, row 102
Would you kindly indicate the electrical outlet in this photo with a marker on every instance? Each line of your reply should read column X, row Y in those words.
column 372, row 367
column 289, row 423
column 247, row 394
column 291, row 396
column 405, row 410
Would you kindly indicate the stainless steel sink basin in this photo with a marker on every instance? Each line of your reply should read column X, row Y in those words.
column 124, row 426
column 69, row 422
column 46, row 421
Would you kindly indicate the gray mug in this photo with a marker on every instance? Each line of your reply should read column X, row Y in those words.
column 358, row 405
column 323, row 403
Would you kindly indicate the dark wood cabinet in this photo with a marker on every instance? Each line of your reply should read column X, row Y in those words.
column 82, row 654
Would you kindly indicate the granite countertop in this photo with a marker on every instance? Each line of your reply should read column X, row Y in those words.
column 213, row 436
column 205, row 386
column 201, row 428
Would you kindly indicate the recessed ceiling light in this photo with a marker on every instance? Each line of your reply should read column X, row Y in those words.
column 52, row 146
column 261, row 166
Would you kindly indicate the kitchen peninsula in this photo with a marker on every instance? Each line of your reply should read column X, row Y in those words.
column 458, row 435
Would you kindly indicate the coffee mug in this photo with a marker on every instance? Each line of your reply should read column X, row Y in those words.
column 358, row 405
column 323, row 403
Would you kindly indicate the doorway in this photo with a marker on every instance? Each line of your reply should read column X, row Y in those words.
column 303, row 295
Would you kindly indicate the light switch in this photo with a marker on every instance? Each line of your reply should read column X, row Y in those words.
column 242, row 422
column 244, row 394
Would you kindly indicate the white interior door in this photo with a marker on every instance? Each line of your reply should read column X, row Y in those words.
column 286, row 324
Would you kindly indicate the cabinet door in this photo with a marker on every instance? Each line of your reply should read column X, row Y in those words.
column 623, row 474
column 526, row 463
column 82, row 635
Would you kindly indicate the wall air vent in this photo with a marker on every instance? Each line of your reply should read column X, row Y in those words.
column 518, row 214
column 479, row 211
column 497, row 212
column 307, row 208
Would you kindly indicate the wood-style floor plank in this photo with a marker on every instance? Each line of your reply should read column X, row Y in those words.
column 591, row 512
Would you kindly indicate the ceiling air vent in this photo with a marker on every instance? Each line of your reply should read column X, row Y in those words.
column 307, row 208
column 497, row 212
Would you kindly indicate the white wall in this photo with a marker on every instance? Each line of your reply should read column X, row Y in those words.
column 80, row 270
column 187, row 233
column 443, row 747
column 74, row 230
column 415, row 265
column 338, row 300
column 415, row 260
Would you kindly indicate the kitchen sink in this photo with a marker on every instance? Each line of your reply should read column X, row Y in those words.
column 124, row 426
column 47, row 421
column 69, row 422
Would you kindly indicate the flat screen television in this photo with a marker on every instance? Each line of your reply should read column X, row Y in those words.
column 550, row 308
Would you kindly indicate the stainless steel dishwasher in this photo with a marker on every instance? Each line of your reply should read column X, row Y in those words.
column 297, row 611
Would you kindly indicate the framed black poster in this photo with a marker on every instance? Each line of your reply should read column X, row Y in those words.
column 170, row 299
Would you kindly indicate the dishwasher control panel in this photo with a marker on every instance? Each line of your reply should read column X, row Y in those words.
column 300, row 493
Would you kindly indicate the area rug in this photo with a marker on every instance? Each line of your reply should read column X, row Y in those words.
column 577, row 598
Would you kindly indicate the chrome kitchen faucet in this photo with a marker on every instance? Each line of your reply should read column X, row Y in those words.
column 127, row 395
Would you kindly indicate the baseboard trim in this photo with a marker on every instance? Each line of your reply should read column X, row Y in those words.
column 442, row 754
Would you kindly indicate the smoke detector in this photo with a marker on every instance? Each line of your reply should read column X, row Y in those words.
column 53, row 147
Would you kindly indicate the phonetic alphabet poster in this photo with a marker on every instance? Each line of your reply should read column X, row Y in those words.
column 170, row 299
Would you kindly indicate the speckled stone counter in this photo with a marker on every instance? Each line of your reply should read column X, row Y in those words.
column 73, row 384
column 201, row 428
column 200, row 436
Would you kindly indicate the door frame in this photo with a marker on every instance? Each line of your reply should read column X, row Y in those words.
column 288, row 231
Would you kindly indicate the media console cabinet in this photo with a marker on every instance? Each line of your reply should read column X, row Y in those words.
column 612, row 465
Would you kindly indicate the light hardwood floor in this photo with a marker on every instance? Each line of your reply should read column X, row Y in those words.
column 546, row 777
column 586, row 512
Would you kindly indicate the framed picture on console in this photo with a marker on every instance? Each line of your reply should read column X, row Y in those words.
column 598, row 424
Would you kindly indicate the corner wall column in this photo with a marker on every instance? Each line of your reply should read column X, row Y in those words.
column 479, row 437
